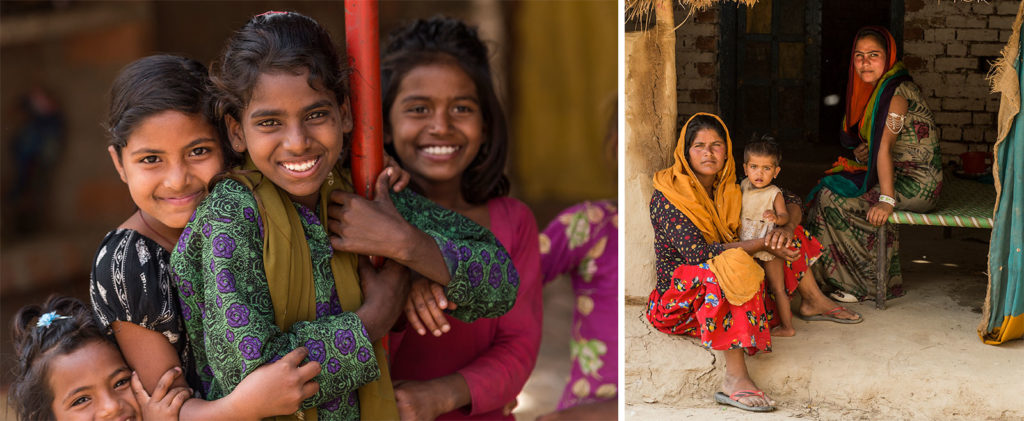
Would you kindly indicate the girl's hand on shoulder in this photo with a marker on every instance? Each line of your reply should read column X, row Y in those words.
column 277, row 388
column 425, row 305
column 166, row 402
column 401, row 177
column 879, row 213
column 368, row 227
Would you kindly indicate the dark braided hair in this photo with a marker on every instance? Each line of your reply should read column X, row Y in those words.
column 441, row 40
column 158, row 83
column 35, row 346
column 763, row 146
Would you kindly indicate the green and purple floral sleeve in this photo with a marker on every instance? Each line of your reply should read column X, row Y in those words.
column 218, row 268
column 484, row 281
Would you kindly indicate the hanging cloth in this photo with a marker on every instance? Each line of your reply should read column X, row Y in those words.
column 1003, row 314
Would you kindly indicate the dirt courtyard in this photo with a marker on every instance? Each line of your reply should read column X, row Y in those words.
column 919, row 359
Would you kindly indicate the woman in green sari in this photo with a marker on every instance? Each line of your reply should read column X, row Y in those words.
column 893, row 136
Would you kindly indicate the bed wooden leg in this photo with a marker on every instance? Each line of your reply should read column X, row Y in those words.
column 880, row 284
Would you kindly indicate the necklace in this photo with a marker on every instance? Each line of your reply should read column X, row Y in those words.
column 143, row 217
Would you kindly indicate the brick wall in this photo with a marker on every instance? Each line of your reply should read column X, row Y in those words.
column 947, row 45
column 946, row 48
column 696, row 62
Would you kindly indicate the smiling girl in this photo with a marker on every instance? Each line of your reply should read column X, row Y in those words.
column 166, row 149
column 446, row 127
column 255, row 267
column 69, row 370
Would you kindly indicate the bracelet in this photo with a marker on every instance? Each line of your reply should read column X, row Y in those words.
column 887, row 199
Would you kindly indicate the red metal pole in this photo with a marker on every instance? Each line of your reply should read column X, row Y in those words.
column 362, row 41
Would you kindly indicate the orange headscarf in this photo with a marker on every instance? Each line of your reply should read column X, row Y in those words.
column 717, row 220
column 858, row 92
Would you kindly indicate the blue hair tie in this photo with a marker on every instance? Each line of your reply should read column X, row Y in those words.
column 47, row 319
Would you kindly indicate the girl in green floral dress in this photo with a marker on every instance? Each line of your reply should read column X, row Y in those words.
column 255, row 268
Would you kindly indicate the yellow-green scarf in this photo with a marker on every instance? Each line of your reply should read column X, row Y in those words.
column 290, row 278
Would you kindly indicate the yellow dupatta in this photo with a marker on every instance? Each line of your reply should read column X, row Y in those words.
column 286, row 260
column 739, row 276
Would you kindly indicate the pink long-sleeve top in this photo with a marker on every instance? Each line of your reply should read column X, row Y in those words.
column 496, row 355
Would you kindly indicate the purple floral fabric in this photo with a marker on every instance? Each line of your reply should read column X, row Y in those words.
column 235, row 333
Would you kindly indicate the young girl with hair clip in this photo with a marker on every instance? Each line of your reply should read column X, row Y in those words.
column 255, row 267
column 444, row 125
column 68, row 370
column 166, row 148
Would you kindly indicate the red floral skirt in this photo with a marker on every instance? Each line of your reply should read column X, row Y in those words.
column 694, row 305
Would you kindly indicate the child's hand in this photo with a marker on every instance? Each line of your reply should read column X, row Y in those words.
column 401, row 178
column 385, row 291
column 368, row 227
column 165, row 403
column 423, row 308
column 277, row 388
column 769, row 215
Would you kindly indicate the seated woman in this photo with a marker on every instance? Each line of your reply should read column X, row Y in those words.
column 892, row 134
column 708, row 285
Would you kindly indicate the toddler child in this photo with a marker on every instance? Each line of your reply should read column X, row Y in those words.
column 764, row 208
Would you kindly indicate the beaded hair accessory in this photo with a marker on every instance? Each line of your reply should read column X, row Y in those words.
column 47, row 319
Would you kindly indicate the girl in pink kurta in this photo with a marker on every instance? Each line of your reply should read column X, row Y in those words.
column 582, row 241
column 495, row 356
column 445, row 126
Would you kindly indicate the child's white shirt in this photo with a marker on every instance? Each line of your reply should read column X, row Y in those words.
column 756, row 200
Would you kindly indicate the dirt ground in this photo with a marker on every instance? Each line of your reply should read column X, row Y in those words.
column 919, row 359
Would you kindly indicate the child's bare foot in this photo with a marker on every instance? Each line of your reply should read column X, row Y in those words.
column 783, row 330
column 732, row 384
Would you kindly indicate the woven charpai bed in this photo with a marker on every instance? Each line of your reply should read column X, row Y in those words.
column 962, row 203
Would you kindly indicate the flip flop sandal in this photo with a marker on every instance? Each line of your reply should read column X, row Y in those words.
column 734, row 400
column 830, row 316
column 843, row 297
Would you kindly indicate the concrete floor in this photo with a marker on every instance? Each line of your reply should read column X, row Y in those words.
column 544, row 388
column 919, row 359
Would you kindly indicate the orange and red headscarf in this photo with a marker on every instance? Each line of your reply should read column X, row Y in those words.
column 866, row 108
column 858, row 92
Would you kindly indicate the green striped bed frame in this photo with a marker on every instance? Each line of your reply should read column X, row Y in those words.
column 962, row 203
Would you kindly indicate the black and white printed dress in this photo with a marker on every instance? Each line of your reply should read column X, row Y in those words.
column 131, row 282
